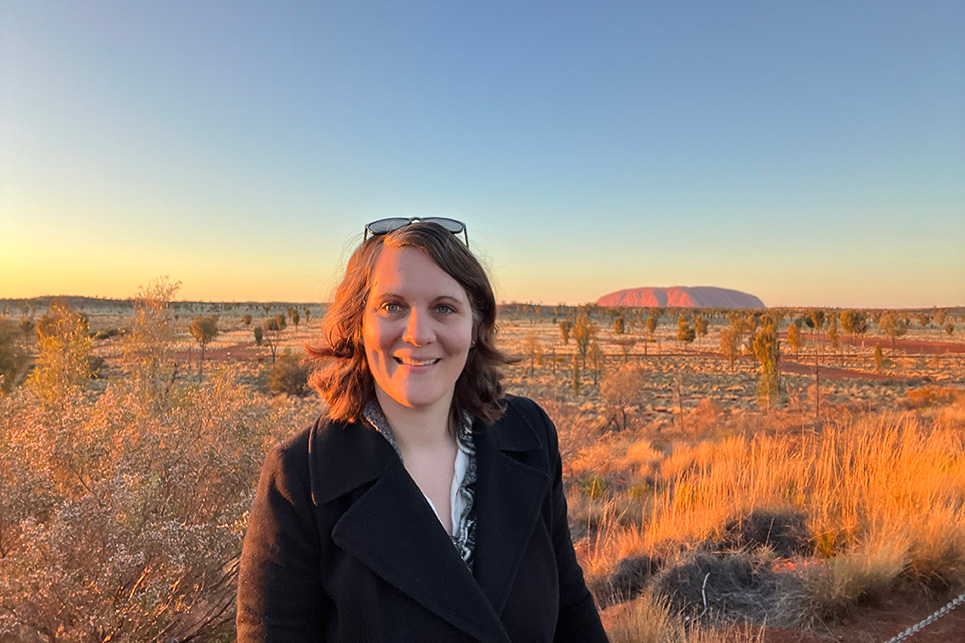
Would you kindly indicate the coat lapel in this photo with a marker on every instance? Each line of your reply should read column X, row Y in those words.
column 391, row 529
column 508, row 499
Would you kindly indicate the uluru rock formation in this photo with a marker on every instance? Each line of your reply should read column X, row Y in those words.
column 681, row 297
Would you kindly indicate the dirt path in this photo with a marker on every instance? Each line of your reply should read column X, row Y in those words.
column 879, row 624
column 235, row 353
column 831, row 373
column 908, row 346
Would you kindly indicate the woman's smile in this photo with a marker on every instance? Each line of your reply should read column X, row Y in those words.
column 417, row 330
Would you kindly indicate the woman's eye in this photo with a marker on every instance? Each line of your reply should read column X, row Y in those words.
column 390, row 307
column 445, row 309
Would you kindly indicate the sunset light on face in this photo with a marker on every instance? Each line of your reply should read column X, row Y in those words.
column 808, row 154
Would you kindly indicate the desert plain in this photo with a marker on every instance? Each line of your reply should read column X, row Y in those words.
column 825, row 504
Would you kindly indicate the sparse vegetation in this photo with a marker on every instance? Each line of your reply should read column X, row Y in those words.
column 672, row 470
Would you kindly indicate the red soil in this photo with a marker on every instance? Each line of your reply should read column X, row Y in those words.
column 880, row 623
column 790, row 366
column 235, row 353
column 913, row 346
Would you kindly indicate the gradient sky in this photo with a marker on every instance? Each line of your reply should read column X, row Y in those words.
column 810, row 153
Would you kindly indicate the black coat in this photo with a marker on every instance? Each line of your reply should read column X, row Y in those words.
column 343, row 547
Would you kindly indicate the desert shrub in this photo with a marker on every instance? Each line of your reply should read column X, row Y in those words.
column 64, row 350
column 685, row 331
column 649, row 619
column 767, row 350
column 737, row 585
column 879, row 358
column 930, row 395
column 149, row 345
column 13, row 358
column 106, row 333
column 289, row 375
column 121, row 518
column 631, row 578
column 783, row 532
column 593, row 486
column 95, row 364
column 622, row 390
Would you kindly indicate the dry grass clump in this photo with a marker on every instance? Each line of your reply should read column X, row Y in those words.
column 651, row 619
column 805, row 522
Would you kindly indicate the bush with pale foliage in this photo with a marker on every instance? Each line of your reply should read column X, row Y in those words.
column 123, row 520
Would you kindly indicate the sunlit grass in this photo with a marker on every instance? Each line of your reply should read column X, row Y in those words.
column 882, row 493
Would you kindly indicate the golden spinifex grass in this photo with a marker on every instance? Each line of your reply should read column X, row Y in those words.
column 883, row 496
column 650, row 619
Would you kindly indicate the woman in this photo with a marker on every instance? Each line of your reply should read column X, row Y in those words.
column 425, row 505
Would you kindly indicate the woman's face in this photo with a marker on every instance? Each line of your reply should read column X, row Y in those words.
column 417, row 330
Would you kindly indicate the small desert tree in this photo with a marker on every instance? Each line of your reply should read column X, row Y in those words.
column 815, row 320
column 296, row 318
column 685, row 332
column 949, row 328
column 259, row 335
column 273, row 328
column 576, row 374
column 619, row 325
column 768, row 353
column 738, row 324
column 584, row 331
column 794, row 338
column 621, row 390
column 246, row 320
column 833, row 332
column 597, row 360
column 533, row 349
column 149, row 346
column 700, row 326
column 565, row 326
column 203, row 329
column 893, row 326
column 728, row 344
column 653, row 320
column 854, row 322
column 879, row 358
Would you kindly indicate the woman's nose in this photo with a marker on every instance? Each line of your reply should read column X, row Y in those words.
column 418, row 328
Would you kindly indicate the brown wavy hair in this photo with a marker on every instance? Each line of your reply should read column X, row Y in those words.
column 342, row 374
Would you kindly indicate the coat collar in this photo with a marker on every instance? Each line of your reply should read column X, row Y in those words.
column 391, row 528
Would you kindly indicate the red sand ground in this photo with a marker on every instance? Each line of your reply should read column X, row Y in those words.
column 914, row 346
column 880, row 623
column 831, row 373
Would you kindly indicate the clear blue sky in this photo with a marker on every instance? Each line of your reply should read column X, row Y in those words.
column 810, row 153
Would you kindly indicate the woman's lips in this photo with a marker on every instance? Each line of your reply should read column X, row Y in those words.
column 408, row 361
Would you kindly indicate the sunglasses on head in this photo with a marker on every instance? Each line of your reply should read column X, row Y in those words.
column 385, row 226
